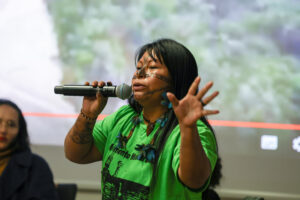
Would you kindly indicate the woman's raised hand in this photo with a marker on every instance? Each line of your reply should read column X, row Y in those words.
column 189, row 109
column 92, row 106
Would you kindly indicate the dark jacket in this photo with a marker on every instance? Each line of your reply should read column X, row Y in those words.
column 27, row 177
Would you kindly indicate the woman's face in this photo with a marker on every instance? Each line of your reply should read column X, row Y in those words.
column 150, row 80
column 9, row 126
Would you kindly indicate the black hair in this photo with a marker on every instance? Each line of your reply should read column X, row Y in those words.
column 210, row 193
column 22, row 140
column 179, row 61
column 216, row 174
column 183, row 69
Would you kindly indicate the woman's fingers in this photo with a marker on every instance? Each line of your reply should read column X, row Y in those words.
column 193, row 88
column 172, row 98
column 210, row 112
column 208, row 99
column 109, row 83
column 94, row 83
column 98, row 84
column 101, row 83
column 204, row 90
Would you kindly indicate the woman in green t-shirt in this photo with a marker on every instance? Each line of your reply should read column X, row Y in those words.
column 162, row 134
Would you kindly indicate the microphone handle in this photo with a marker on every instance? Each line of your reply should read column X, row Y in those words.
column 85, row 90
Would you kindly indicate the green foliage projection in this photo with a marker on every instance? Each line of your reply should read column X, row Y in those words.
column 243, row 46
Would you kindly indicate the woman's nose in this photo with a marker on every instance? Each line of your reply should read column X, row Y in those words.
column 3, row 127
column 141, row 73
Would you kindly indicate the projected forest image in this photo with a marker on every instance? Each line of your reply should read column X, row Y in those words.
column 248, row 48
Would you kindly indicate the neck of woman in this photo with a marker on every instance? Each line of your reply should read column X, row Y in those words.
column 153, row 113
column 7, row 152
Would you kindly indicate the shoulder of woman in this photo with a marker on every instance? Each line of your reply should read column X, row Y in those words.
column 37, row 158
column 27, row 159
column 123, row 111
column 23, row 158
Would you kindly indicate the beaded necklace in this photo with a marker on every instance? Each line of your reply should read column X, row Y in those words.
column 150, row 125
column 147, row 152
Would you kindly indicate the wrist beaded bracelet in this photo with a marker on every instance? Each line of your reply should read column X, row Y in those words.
column 87, row 117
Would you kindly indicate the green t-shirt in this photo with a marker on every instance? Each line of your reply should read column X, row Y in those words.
column 126, row 177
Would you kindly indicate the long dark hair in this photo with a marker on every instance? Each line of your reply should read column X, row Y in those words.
column 183, row 69
column 216, row 176
column 22, row 140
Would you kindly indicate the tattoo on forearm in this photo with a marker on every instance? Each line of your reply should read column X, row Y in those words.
column 81, row 138
column 83, row 134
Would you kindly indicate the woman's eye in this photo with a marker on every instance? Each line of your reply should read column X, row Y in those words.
column 11, row 124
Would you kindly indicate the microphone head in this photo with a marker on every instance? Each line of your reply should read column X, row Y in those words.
column 123, row 91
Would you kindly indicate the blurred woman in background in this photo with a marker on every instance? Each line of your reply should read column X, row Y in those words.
column 23, row 175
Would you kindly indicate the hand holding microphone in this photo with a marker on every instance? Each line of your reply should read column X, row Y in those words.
column 93, row 102
column 122, row 91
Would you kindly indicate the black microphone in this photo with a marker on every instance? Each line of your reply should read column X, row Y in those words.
column 122, row 91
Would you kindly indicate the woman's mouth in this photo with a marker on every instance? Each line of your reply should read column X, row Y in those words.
column 137, row 87
column 3, row 139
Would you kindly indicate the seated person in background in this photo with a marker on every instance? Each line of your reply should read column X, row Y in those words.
column 23, row 175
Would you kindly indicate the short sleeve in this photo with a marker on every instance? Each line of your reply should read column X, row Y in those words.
column 100, row 133
column 105, row 127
